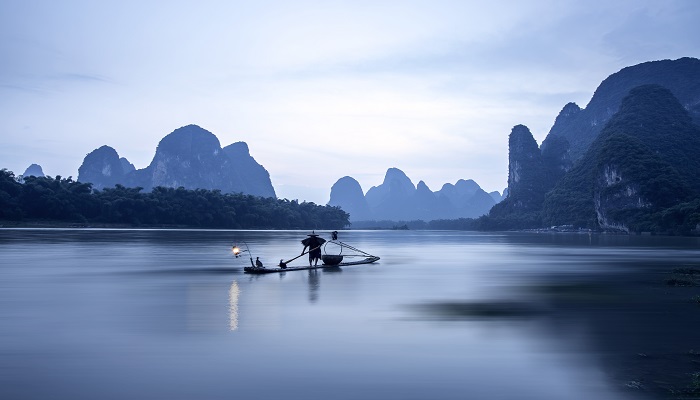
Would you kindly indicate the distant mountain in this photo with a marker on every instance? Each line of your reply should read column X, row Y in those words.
column 190, row 157
column 126, row 165
column 398, row 199
column 393, row 198
column 581, row 126
column 498, row 197
column 33, row 170
column 103, row 168
column 466, row 200
column 347, row 194
column 643, row 161
column 253, row 177
column 426, row 205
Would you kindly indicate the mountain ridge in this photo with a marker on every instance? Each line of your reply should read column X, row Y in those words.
column 644, row 160
column 398, row 199
column 575, row 129
column 189, row 157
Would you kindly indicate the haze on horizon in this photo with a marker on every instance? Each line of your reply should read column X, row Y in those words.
column 318, row 90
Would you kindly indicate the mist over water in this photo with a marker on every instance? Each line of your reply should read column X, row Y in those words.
column 119, row 314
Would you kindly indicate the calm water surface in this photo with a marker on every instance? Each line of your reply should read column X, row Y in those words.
column 115, row 314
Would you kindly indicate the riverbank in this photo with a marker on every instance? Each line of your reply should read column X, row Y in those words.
column 76, row 225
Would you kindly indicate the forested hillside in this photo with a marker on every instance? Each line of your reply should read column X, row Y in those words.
column 643, row 162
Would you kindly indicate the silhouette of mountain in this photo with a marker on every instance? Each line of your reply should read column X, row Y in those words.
column 103, row 168
column 497, row 196
column 398, row 199
column 190, row 157
column 581, row 126
column 393, row 198
column 254, row 177
column 33, row 170
column 466, row 199
column 127, row 167
column 347, row 194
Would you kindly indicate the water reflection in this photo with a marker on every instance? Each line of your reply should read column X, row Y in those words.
column 314, row 284
column 488, row 316
column 233, row 294
column 476, row 310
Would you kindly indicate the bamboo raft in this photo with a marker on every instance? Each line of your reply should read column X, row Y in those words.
column 265, row 270
column 328, row 259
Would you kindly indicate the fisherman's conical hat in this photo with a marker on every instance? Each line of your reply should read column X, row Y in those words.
column 313, row 239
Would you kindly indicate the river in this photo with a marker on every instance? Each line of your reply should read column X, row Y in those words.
column 170, row 314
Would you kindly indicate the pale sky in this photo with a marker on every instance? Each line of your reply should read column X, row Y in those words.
column 318, row 89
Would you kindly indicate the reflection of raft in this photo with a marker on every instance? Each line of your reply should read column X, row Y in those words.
column 253, row 270
column 329, row 260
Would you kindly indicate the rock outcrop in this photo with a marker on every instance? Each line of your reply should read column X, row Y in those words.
column 392, row 199
column 527, row 179
column 191, row 157
column 34, row 170
column 253, row 177
column 347, row 194
column 127, row 167
column 103, row 168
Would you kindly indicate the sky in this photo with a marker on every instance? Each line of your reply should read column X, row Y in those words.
column 318, row 89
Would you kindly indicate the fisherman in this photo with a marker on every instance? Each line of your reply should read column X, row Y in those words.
column 282, row 264
column 258, row 263
column 313, row 242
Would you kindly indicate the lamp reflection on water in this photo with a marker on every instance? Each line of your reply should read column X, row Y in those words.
column 233, row 294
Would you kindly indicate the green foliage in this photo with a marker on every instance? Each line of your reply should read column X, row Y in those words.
column 681, row 219
column 568, row 207
column 58, row 199
column 651, row 114
column 9, row 196
column 521, row 220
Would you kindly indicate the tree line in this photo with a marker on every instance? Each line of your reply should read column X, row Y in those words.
column 66, row 200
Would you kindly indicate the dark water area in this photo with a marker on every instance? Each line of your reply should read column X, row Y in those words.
column 115, row 314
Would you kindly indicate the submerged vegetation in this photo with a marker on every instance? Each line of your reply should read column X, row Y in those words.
column 684, row 277
column 65, row 200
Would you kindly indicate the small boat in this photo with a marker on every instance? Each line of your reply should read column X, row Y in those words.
column 265, row 270
column 352, row 256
